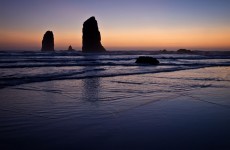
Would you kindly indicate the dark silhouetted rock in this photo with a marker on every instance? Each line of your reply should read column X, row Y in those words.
column 70, row 48
column 163, row 51
column 48, row 41
column 147, row 60
column 184, row 51
column 91, row 37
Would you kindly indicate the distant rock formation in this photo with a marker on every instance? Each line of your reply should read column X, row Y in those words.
column 147, row 60
column 48, row 41
column 91, row 37
column 163, row 51
column 184, row 51
column 70, row 48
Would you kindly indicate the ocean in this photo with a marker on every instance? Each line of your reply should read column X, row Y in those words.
column 74, row 100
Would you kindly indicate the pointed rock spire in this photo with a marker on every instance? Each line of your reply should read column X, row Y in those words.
column 48, row 41
column 91, row 36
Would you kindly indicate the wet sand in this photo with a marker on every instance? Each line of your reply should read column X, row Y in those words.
column 188, row 109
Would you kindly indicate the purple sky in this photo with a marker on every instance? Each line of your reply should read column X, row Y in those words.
column 197, row 24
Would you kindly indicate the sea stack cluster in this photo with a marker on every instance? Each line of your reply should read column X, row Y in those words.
column 48, row 41
column 91, row 36
column 91, row 39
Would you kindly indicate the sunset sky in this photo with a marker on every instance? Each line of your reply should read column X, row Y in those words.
column 124, row 24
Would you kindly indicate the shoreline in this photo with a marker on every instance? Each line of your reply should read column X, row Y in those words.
column 188, row 109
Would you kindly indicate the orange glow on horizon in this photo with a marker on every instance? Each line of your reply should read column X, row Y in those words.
column 180, row 38
column 124, row 25
column 145, row 39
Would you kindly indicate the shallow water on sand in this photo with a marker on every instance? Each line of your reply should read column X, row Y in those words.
column 187, row 109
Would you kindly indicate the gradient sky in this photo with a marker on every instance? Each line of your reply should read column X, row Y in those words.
column 124, row 24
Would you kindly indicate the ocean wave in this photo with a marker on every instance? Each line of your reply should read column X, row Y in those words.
column 85, row 64
column 94, row 73
column 28, row 67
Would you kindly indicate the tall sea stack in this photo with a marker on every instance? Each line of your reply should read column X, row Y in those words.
column 48, row 41
column 91, row 36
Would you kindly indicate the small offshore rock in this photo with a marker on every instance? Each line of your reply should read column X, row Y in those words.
column 147, row 60
column 184, row 51
column 70, row 48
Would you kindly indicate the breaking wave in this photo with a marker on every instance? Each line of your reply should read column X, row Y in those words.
column 27, row 67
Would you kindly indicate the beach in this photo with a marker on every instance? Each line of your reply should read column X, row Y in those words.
column 185, row 108
column 115, row 75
